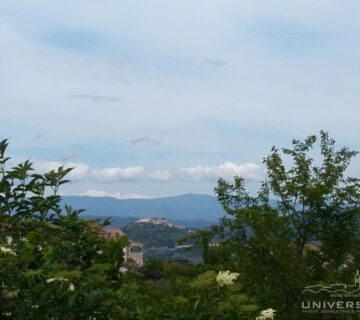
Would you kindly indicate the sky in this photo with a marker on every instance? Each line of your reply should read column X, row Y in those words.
column 151, row 98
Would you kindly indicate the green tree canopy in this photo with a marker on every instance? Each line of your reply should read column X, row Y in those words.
column 53, row 265
column 302, row 226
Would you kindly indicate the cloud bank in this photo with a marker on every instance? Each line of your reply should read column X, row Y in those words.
column 249, row 171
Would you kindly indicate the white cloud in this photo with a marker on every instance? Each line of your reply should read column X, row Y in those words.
column 78, row 173
column 249, row 171
column 93, row 193
column 117, row 174
column 83, row 172
column 117, row 195
column 160, row 175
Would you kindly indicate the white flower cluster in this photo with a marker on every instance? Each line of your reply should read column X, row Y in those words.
column 226, row 278
column 268, row 314
column 62, row 280
column 7, row 251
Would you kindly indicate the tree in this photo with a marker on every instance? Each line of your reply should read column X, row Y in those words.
column 53, row 265
column 302, row 226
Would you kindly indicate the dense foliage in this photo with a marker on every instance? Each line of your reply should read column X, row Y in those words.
column 155, row 235
column 162, row 242
column 301, row 228
column 52, row 264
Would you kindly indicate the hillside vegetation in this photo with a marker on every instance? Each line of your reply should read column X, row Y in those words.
column 155, row 235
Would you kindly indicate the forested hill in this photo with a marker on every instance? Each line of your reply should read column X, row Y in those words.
column 155, row 235
column 183, row 207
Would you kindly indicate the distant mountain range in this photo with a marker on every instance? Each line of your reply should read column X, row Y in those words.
column 195, row 208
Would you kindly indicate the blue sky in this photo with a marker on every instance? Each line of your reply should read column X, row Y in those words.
column 154, row 98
